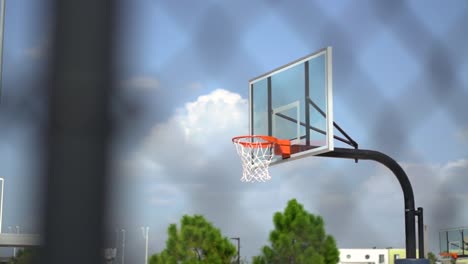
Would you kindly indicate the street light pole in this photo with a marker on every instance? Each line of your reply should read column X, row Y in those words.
column 3, row 183
column 116, row 245
column 238, row 248
column 17, row 232
column 116, row 238
column 145, row 231
column 14, row 248
column 123, row 246
column 2, row 33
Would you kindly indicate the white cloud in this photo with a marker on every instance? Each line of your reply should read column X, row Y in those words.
column 164, row 194
column 197, row 138
column 40, row 50
column 211, row 117
column 37, row 52
column 454, row 169
column 200, row 129
column 158, row 201
column 193, row 164
column 141, row 82
column 195, row 86
column 439, row 188
column 139, row 165
column 461, row 163
column 462, row 135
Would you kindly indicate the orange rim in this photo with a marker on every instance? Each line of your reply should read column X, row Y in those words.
column 269, row 141
column 283, row 146
column 448, row 254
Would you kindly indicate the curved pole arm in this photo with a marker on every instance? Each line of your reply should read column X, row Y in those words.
column 362, row 154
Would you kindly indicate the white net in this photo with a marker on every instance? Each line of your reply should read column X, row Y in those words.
column 256, row 155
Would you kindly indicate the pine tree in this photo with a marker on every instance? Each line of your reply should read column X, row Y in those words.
column 298, row 237
column 197, row 241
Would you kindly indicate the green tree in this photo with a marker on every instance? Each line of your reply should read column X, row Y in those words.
column 24, row 256
column 432, row 258
column 197, row 241
column 298, row 237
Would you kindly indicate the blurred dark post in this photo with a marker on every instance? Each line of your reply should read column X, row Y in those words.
column 238, row 248
column 2, row 33
column 78, row 132
column 420, row 215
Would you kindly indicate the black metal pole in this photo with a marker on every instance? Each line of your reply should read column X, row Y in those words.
column 447, row 239
column 463, row 242
column 420, row 232
column 238, row 248
column 362, row 154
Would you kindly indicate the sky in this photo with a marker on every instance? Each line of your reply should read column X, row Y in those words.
column 400, row 87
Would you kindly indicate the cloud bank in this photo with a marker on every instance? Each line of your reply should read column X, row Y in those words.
column 188, row 165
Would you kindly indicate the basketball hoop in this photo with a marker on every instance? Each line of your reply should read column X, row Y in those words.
column 257, row 152
column 449, row 254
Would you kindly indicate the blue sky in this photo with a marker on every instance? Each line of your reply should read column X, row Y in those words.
column 400, row 87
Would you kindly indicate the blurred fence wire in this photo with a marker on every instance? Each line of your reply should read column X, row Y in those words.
column 79, row 122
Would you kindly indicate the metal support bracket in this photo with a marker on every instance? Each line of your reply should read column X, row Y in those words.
column 410, row 212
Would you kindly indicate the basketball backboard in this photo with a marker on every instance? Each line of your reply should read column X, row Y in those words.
column 454, row 240
column 294, row 102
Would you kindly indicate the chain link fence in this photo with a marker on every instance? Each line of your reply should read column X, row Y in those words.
column 400, row 72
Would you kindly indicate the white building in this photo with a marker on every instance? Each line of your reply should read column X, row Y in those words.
column 364, row 256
